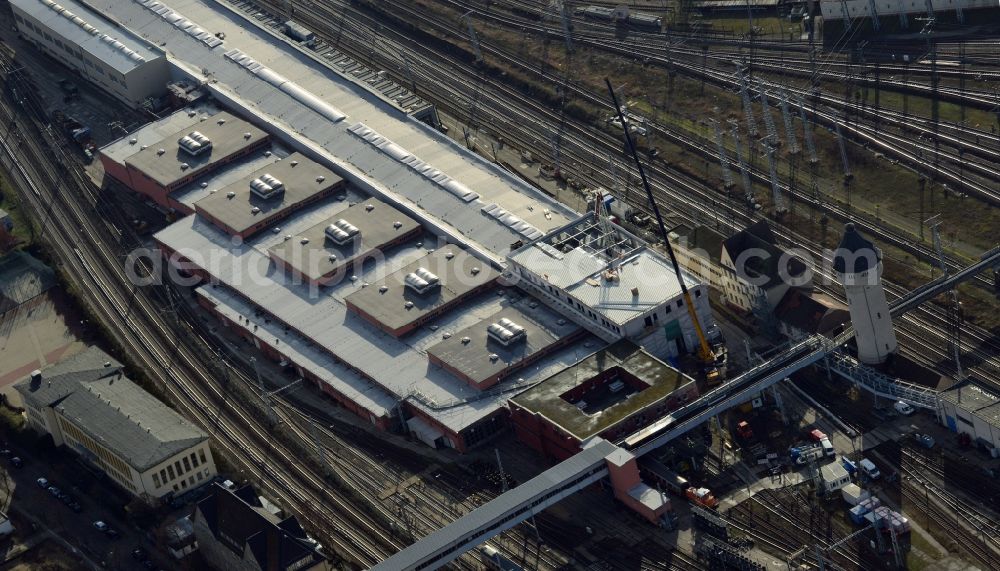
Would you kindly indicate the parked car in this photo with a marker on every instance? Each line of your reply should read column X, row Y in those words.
column 904, row 408
column 817, row 435
column 101, row 526
column 54, row 491
column 17, row 462
column 925, row 440
column 869, row 468
column 42, row 483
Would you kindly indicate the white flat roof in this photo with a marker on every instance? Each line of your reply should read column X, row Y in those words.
column 400, row 366
column 408, row 158
column 91, row 32
column 579, row 273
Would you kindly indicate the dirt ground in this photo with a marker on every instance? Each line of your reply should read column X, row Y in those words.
column 36, row 334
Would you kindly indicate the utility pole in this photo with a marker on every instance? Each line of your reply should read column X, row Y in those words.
column 473, row 38
column 772, row 131
column 747, row 107
column 320, row 449
column 790, row 138
column 779, row 201
column 744, row 172
column 848, row 175
column 264, row 395
column 727, row 176
column 503, row 475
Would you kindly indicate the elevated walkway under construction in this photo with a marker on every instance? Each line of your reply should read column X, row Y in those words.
column 590, row 465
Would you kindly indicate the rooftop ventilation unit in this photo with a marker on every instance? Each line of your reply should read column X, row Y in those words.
column 271, row 181
column 194, row 143
column 342, row 232
column 265, row 189
column 506, row 332
column 421, row 281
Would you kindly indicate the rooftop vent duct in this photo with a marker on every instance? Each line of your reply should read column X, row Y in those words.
column 506, row 332
column 342, row 232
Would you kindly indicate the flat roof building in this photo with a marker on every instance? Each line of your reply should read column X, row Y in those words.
column 395, row 306
column 972, row 407
column 611, row 393
column 610, row 281
column 503, row 343
column 201, row 143
column 268, row 195
column 87, row 404
column 329, row 250
column 119, row 62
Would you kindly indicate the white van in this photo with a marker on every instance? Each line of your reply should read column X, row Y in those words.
column 904, row 408
column 869, row 468
column 828, row 449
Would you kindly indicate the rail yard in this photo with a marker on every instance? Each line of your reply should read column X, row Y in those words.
column 515, row 284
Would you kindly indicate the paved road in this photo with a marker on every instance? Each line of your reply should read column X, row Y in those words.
column 98, row 500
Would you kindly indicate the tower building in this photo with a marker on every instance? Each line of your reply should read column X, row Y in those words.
column 858, row 263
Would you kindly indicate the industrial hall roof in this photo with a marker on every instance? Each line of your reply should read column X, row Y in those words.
column 387, row 153
column 237, row 208
column 91, row 31
column 167, row 162
column 328, row 328
column 90, row 390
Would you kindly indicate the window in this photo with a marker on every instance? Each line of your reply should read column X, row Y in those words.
column 177, row 465
column 680, row 302
column 170, row 472
column 194, row 460
column 200, row 476
column 175, row 487
column 697, row 293
column 156, row 480
column 184, row 484
column 649, row 321
column 163, row 475
column 187, row 465
column 879, row 314
column 201, row 454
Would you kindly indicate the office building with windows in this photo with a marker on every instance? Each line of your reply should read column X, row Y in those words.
column 86, row 403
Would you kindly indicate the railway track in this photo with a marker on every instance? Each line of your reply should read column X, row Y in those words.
column 585, row 146
column 164, row 352
column 693, row 64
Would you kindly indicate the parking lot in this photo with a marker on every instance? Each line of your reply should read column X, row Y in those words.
column 62, row 497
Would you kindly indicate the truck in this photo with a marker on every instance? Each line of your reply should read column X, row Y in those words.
column 702, row 497
column 300, row 33
column 806, row 453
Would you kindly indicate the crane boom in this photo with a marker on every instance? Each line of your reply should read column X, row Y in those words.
column 705, row 354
